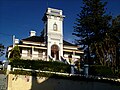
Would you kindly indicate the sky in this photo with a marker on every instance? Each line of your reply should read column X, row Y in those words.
column 19, row 17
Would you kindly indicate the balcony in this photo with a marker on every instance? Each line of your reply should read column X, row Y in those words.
column 33, row 56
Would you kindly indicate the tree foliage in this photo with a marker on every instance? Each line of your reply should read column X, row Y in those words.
column 115, row 36
column 41, row 65
column 15, row 54
column 2, row 48
column 108, row 49
column 91, row 25
column 99, row 33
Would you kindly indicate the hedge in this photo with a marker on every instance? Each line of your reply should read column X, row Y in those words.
column 99, row 70
column 31, row 73
column 2, row 71
column 41, row 65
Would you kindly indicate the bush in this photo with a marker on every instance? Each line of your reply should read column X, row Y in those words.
column 2, row 72
column 21, row 72
column 15, row 54
column 101, row 71
column 41, row 65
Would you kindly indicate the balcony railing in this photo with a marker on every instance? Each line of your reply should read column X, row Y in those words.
column 33, row 56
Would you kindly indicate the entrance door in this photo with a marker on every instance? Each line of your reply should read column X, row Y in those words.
column 55, row 52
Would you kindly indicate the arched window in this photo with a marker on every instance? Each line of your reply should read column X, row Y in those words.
column 55, row 27
column 55, row 52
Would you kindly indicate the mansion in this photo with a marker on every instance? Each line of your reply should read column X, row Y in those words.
column 50, row 44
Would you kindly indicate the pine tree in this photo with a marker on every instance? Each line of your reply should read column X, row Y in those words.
column 15, row 54
column 91, row 25
column 115, row 36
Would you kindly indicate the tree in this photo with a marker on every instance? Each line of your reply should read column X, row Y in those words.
column 2, row 48
column 15, row 54
column 91, row 26
column 115, row 35
column 108, row 50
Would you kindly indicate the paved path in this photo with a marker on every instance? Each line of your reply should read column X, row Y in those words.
column 3, row 82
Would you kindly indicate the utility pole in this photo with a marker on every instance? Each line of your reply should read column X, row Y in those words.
column 13, row 36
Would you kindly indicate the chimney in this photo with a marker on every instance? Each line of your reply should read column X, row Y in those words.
column 16, row 41
column 32, row 33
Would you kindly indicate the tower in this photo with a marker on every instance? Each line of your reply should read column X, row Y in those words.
column 53, row 33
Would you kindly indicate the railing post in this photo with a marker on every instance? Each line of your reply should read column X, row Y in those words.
column 86, row 66
column 8, row 69
column 72, row 69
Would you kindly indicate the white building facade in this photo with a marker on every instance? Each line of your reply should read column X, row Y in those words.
column 50, row 45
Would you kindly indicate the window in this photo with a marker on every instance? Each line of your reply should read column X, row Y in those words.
column 55, row 27
column 55, row 12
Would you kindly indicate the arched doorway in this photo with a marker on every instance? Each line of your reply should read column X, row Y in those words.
column 55, row 52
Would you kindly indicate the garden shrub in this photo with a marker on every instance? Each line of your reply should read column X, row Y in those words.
column 2, row 71
column 101, row 71
column 41, row 65
column 21, row 72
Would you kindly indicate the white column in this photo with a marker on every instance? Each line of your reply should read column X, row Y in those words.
column 43, row 55
column 86, row 67
column 32, row 52
column 60, row 50
column 8, row 69
column 73, row 57
column 48, row 50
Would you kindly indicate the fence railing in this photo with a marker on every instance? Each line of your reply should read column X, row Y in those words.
column 33, row 56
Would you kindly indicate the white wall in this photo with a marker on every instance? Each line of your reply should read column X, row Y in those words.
column 35, row 54
column 54, row 37
column 23, row 82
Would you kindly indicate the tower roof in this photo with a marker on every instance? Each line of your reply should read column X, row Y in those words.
column 53, row 12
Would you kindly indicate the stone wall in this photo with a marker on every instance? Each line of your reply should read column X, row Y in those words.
column 22, row 82
column 3, row 82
